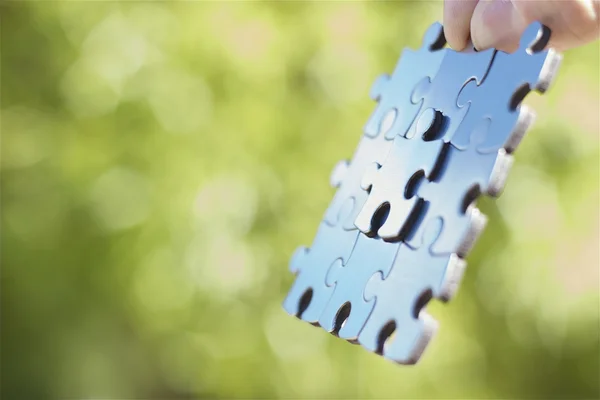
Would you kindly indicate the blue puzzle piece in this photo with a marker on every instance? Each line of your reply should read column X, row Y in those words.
column 499, row 96
column 400, row 299
column 309, row 293
column 465, row 175
column 441, row 92
column 346, row 177
column 347, row 310
column 394, row 108
column 387, row 184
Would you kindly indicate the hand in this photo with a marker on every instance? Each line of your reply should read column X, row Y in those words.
column 499, row 23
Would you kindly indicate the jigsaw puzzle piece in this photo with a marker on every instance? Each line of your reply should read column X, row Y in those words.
column 395, row 112
column 400, row 299
column 346, row 177
column 347, row 310
column 441, row 92
column 511, row 77
column 465, row 175
column 390, row 208
column 309, row 293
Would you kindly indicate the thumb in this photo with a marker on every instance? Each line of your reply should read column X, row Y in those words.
column 500, row 23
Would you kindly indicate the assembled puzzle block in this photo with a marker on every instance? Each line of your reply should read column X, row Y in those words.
column 400, row 299
column 394, row 108
column 404, row 215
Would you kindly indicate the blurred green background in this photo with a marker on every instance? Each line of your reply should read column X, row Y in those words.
column 161, row 162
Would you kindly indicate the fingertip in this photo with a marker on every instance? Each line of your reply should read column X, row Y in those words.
column 455, row 40
column 496, row 25
column 457, row 22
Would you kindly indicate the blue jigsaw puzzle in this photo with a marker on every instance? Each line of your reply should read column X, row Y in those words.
column 404, row 215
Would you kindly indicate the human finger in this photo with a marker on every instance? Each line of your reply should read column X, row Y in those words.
column 457, row 22
column 500, row 23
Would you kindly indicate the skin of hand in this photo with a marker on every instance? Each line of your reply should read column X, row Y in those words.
column 499, row 23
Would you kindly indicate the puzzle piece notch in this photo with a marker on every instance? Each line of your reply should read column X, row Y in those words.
column 390, row 208
column 511, row 77
column 309, row 293
column 457, row 68
column 394, row 106
column 464, row 177
column 401, row 297
column 346, row 177
column 347, row 310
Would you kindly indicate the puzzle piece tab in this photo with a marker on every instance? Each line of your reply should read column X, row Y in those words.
column 400, row 299
column 347, row 310
column 389, row 199
column 499, row 96
column 394, row 109
column 309, row 293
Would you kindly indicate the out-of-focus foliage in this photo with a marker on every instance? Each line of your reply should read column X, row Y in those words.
column 161, row 161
